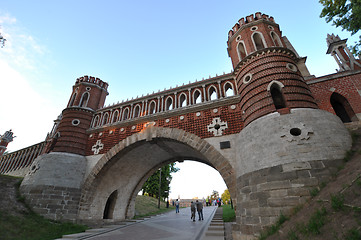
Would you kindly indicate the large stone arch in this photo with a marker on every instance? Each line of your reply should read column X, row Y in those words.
column 172, row 145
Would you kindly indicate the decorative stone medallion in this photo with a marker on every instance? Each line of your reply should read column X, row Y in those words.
column 34, row 167
column 97, row 147
column 296, row 132
column 217, row 127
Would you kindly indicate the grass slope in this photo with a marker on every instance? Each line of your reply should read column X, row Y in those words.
column 19, row 222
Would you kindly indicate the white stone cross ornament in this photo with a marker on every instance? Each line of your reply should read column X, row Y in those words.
column 97, row 146
column 217, row 127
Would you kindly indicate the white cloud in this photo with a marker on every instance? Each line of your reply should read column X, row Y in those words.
column 23, row 107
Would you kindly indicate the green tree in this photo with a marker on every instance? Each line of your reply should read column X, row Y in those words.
column 345, row 14
column 226, row 197
column 151, row 186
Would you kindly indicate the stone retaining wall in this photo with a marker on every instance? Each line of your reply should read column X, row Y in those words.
column 266, row 193
column 53, row 202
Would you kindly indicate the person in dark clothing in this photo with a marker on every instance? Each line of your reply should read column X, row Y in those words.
column 200, row 210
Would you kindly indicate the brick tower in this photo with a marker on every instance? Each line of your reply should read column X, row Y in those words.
column 68, row 134
column 344, row 58
column 285, row 132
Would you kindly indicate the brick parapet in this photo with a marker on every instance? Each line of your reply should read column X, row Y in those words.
column 192, row 122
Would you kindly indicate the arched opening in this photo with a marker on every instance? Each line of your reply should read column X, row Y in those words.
column 212, row 93
column 115, row 116
column 109, row 206
column 342, row 108
column 136, row 111
column 182, row 100
column 96, row 121
column 197, row 97
column 241, row 51
column 228, row 90
column 84, row 100
column 126, row 114
column 276, row 39
column 258, row 42
column 105, row 119
column 277, row 96
column 71, row 103
column 169, row 104
column 146, row 157
column 151, row 107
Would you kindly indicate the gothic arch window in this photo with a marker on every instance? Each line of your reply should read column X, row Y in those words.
column 126, row 114
column 228, row 89
column 241, row 50
column 136, row 112
column 115, row 116
column 84, row 100
column 342, row 108
column 275, row 89
column 71, row 103
column 182, row 100
column 197, row 96
column 105, row 118
column 258, row 41
column 276, row 39
column 169, row 103
column 96, row 121
column 110, row 205
column 212, row 93
column 152, row 107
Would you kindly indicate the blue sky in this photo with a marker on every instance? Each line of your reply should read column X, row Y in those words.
column 137, row 47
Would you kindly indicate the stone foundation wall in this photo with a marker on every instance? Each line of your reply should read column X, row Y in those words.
column 264, row 194
column 56, row 203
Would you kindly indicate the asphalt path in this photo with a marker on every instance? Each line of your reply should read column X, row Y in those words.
column 168, row 226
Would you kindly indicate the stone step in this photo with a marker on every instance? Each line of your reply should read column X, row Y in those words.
column 216, row 228
column 213, row 238
column 215, row 233
column 216, row 224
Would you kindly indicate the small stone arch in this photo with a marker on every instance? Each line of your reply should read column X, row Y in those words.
column 210, row 155
column 197, row 96
column 115, row 116
column 125, row 114
column 71, row 103
column 241, row 50
column 105, row 119
column 258, row 41
column 152, row 107
column 212, row 93
column 169, row 103
column 276, row 39
column 182, row 100
column 227, row 88
column 84, row 99
column 275, row 89
column 96, row 121
column 136, row 111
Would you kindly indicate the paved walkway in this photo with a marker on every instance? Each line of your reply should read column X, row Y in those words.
column 168, row 226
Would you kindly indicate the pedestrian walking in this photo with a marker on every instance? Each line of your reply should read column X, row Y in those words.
column 193, row 211
column 199, row 210
column 177, row 206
